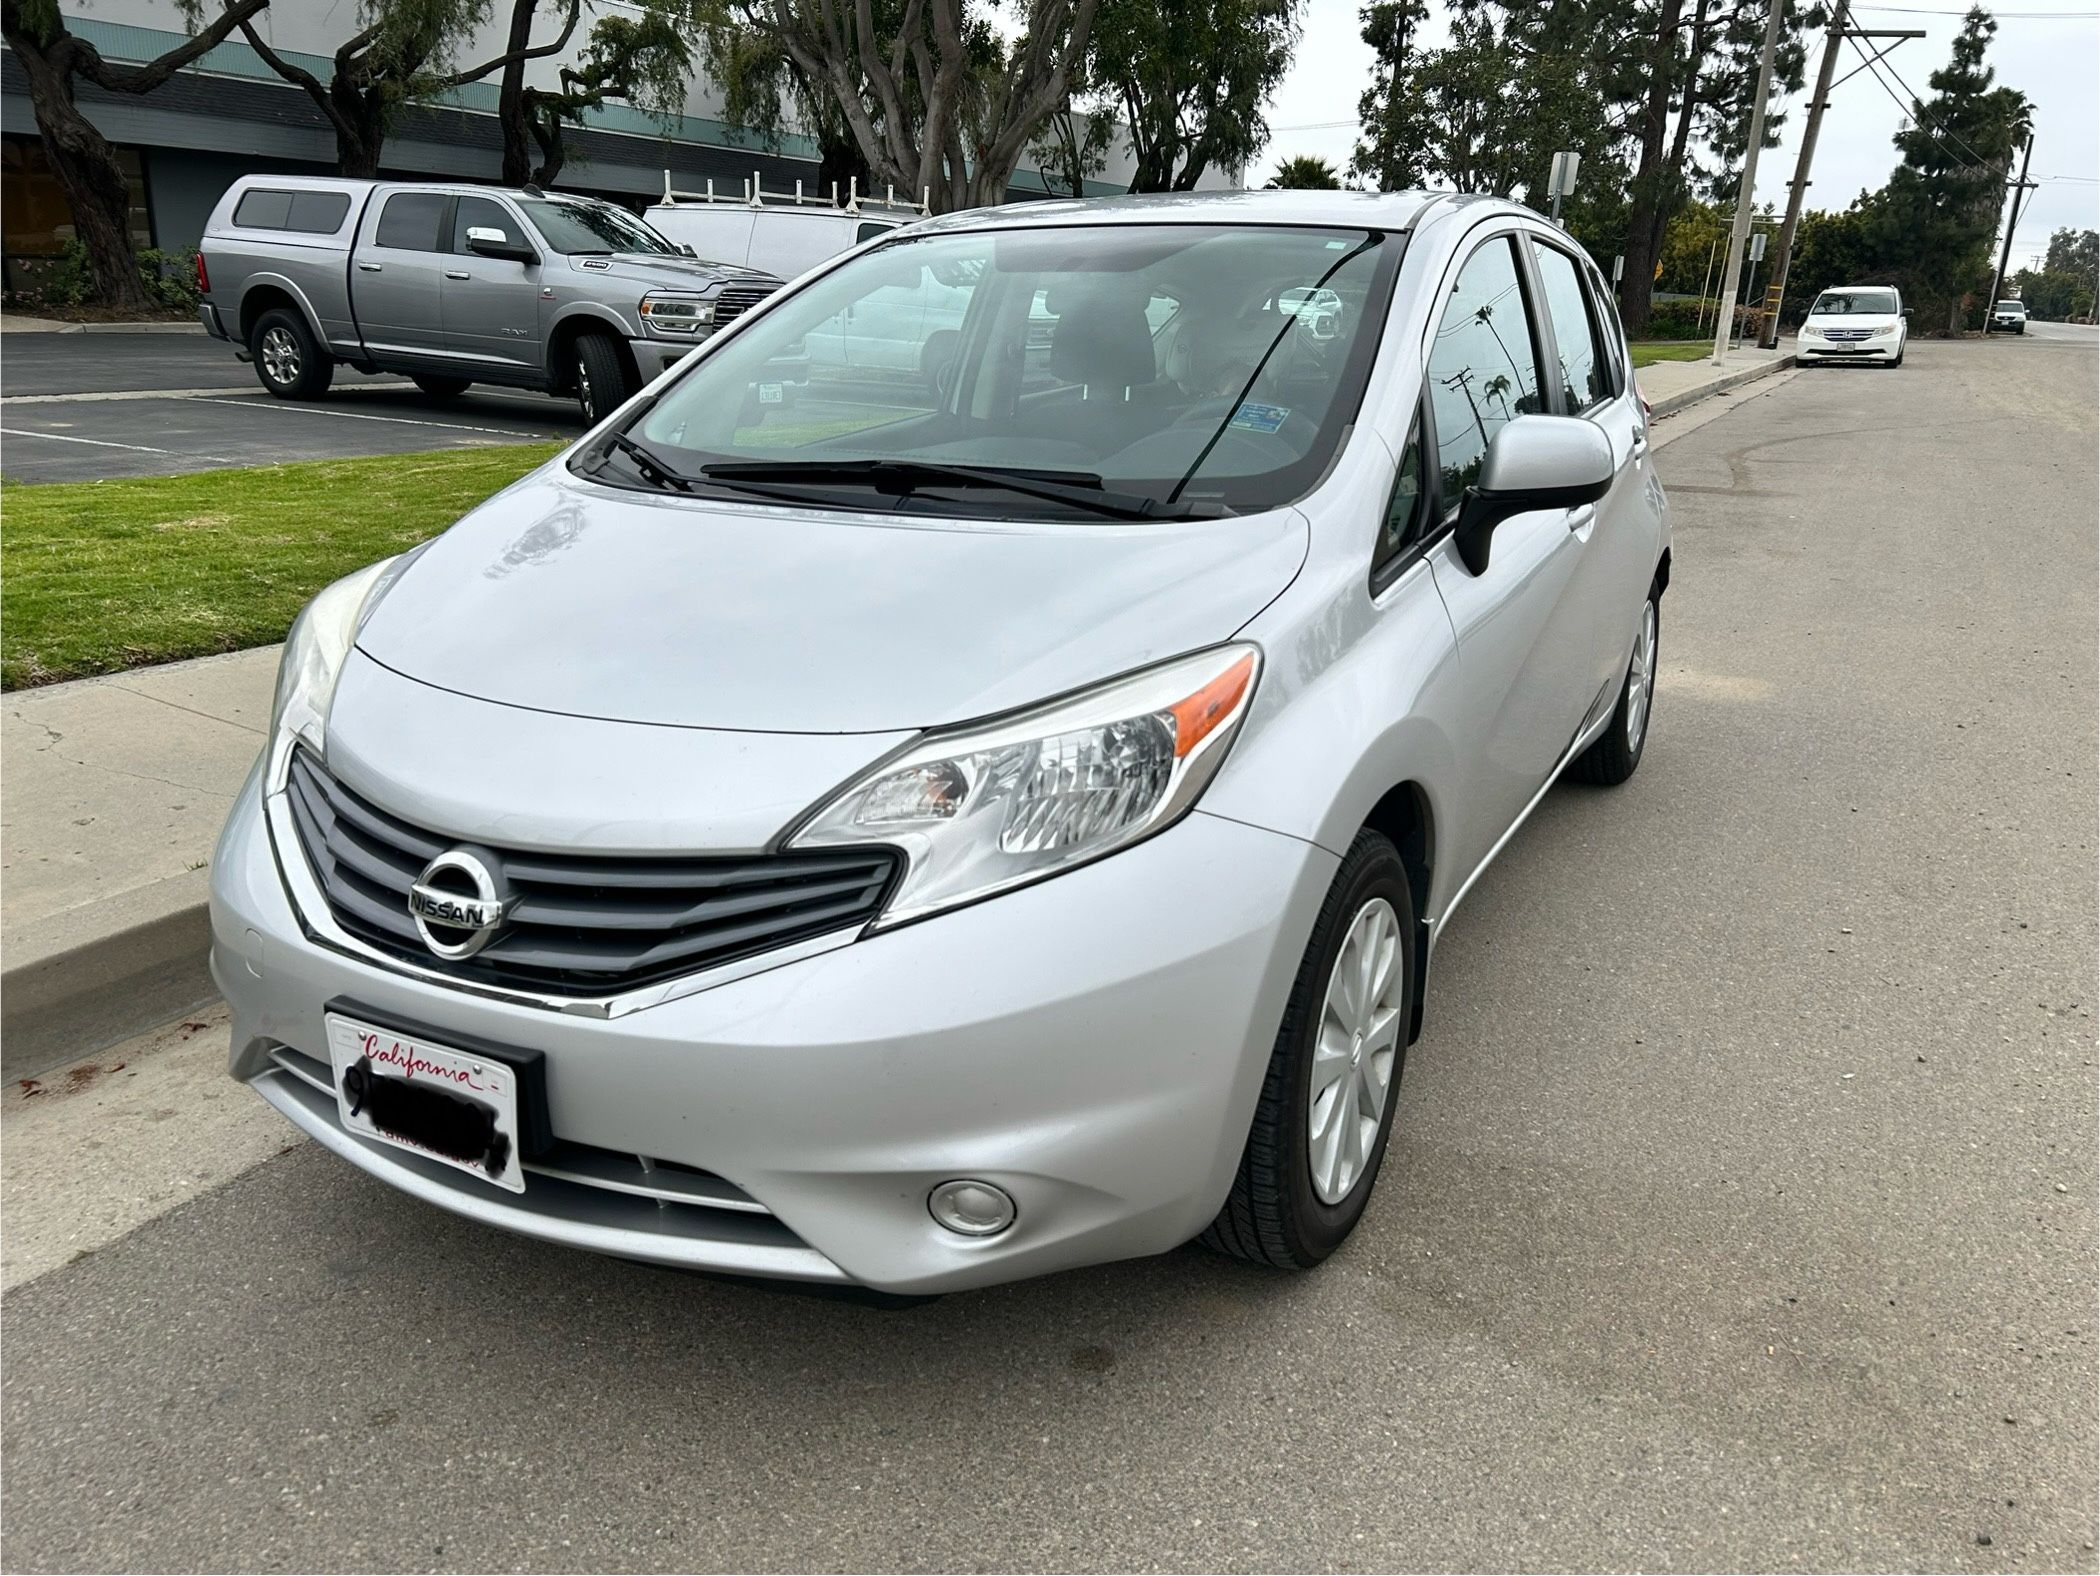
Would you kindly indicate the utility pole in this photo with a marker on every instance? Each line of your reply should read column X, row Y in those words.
column 1740, row 231
column 2022, row 185
column 1797, row 191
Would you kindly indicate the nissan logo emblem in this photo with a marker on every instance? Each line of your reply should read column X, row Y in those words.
column 459, row 903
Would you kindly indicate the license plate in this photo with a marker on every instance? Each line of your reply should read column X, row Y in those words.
column 450, row 1105
column 769, row 393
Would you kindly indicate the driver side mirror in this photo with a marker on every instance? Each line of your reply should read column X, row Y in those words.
column 1536, row 462
column 1906, row 311
column 487, row 241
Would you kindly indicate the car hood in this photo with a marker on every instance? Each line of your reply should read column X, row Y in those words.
column 670, row 273
column 1866, row 320
column 567, row 596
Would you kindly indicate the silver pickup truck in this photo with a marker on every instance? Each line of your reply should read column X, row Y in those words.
column 455, row 285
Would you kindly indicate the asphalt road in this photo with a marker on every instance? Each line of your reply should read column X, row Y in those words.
column 1741, row 1215
column 78, row 407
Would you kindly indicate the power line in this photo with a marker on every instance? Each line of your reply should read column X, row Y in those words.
column 1890, row 68
column 1999, row 16
column 1915, row 109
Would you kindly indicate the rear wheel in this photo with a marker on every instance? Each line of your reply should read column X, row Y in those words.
column 602, row 379
column 441, row 388
column 1327, row 1102
column 1616, row 755
column 288, row 358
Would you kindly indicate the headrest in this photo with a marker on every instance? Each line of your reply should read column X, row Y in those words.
column 1102, row 339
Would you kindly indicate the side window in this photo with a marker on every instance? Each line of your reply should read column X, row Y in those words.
column 409, row 221
column 868, row 232
column 1403, row 511
column 1614, row 334
column 312, row 213
column 477, row 213
column 1584, row 377
column 1483, row 372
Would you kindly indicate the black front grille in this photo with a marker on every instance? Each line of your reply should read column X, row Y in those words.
column 736, row 300
column 583, row 925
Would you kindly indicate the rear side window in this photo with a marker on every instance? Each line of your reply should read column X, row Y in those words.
column 409, row 221
column 1403, row 510
column 1583, row 378
column 1483, row 372
column 313, row 213
column 868, row 232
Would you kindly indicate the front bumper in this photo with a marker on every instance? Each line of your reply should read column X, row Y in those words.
column 654, row 357
column 1850, row 350
column 1094, row 1044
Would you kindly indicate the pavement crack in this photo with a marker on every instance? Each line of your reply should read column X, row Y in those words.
column 162, row 700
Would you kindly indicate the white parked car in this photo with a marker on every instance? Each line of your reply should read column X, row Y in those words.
column 2008, row 317
column 1855, row 323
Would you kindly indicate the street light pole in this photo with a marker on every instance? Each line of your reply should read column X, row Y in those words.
column 1739, row 233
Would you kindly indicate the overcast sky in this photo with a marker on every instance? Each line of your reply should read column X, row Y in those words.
column 2048, row 49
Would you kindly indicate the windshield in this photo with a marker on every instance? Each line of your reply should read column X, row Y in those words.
column 1206, row 368
column 574, row 228
column 2012, row 306
column 1854, row 303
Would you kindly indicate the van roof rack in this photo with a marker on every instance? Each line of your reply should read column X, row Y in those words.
column 755, row 195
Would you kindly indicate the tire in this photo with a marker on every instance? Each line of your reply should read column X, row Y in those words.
column 1617, row 753
column 1277, row 1213
column 603, row 382
column 289, row 360
column 937, row 361
column 441, row 388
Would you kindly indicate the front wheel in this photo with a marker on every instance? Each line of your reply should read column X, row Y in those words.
column 602, row 379
column 1617, row 754
column 288, row 358
column 1327, row 1102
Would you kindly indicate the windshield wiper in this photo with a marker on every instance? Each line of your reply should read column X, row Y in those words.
column 1079, row 489
column 652, row 466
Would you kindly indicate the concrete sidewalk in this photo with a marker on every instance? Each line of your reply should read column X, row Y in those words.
column 116, row 789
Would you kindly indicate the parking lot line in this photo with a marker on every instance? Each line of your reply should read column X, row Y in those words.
column 352, row 415
column 103, row 443
column 106, row 395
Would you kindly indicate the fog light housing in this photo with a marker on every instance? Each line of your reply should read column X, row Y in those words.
column 971, row 1208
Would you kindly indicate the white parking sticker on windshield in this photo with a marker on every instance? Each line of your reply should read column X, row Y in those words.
column 1260, row 418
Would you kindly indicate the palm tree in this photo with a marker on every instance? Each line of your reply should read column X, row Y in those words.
column 1305, row 173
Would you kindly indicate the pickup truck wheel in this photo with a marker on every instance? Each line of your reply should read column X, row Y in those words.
column 602, row 379
column 441, row 388
column 288, row 359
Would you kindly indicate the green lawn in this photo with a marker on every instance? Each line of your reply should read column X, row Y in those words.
column 98, row 576
column 1648, row 352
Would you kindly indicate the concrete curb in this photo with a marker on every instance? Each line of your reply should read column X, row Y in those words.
column 54, row 326
column 1674, row 403
column 103, row 973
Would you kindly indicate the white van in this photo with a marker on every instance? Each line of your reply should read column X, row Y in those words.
column 790, row 235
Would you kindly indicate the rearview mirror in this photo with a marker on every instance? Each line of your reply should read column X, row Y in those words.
column 1906, row 311
column 487, row 241
column 1536, row 462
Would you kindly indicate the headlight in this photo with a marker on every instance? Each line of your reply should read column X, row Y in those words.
column 988, row 808
column 1885, row 330
column 680, row 315
column 321, row 638
column 1810, row 332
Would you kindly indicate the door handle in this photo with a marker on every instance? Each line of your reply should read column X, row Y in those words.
column 457, row 273
column 1640, row 443
column 368, row 268
column 1580, row 519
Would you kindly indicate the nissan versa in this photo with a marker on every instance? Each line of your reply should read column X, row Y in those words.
column 986, row 816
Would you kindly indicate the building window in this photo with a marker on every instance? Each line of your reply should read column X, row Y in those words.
column 36, row 221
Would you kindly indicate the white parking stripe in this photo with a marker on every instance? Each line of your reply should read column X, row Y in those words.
column 351, row 415
column 130, row 394
column 104, row 443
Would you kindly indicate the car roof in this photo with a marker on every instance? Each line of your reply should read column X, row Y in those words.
column 1354, row 210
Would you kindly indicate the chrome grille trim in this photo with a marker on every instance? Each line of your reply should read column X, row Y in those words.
column 735, row 300
column 588, row 926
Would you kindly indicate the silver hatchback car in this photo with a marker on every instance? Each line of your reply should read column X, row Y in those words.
column 981, row 818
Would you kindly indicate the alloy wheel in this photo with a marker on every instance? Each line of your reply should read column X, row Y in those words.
column 1640, row 678
column 280, row 357
column 1356, row 1051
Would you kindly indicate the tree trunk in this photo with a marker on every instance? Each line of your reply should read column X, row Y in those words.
column 86, row 168
column 512, row 116
column 360, row 129
column 1687, row 106
column 1637, row 281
